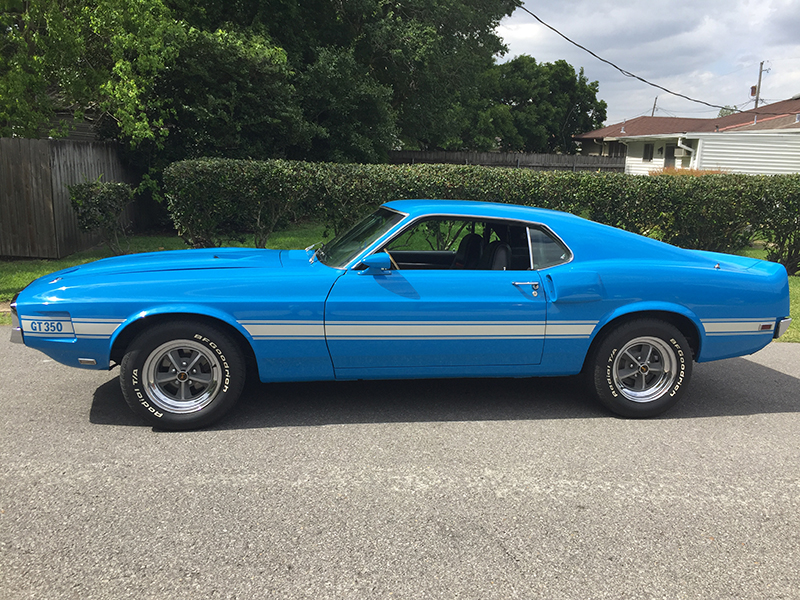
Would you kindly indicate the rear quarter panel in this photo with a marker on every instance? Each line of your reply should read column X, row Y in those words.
column 733, row 310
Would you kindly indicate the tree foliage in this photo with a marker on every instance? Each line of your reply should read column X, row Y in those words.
column 534, row 107
column 227, row 94
column 311, row 79
column 428, row 54
column 350, row 110
column 71, row 54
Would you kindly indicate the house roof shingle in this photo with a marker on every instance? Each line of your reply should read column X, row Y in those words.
column 778, row 115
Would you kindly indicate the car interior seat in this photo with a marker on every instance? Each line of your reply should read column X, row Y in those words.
column 469, row 252
column 496, row 257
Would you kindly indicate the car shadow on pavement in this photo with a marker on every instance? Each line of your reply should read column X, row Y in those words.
column 727, row 388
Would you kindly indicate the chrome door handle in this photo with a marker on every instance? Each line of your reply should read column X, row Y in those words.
column 533, row 284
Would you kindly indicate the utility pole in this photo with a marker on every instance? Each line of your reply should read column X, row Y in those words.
column 758, row 87
column 652, row 114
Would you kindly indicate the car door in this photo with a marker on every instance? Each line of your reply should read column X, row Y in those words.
column 433, row 321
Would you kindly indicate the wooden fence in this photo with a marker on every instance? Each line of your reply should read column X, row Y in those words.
column 541, row 162
column 36, row 217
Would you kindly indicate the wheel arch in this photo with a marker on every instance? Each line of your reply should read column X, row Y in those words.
column 680, row 321
column 128, row 333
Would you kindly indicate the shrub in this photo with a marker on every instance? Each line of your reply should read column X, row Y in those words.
column 781, row 220
column 710, row 212
column 100, row 207
column 211, row 200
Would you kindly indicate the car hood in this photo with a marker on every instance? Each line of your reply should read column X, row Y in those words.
column 180, row 260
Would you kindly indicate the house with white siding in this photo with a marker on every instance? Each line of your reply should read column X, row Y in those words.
column 765, row 140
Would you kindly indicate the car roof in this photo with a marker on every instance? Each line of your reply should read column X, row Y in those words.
column 490, row 210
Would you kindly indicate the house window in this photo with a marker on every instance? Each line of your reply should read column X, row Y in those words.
column 617, row 149
column 647, row 156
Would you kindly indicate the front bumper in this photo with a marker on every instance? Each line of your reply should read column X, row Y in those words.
column 782, row 326
column 16, row 328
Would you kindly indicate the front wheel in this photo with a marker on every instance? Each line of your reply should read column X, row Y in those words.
column 182, row 375
column 641, row 368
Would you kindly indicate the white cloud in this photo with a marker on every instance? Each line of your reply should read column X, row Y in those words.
column 708, row 50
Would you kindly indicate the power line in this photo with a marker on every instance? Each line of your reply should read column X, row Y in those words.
column 621, row 70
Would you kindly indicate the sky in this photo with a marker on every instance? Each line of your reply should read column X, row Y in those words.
column 709, row 50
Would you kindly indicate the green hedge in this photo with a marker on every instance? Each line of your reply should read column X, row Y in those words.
column 213, row 199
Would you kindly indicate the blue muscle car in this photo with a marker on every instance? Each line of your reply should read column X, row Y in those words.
column 420, row 288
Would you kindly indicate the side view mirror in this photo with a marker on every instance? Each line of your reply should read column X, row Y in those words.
column 377, row 264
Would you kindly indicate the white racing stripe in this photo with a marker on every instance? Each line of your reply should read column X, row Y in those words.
column 417, row 330
column 570, row 329
column 285, row 330
column 726, row 327
column 434, row 330
column 95, row 329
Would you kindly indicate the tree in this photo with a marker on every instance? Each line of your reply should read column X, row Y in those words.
column 97, row 55
column 227, row 94
column 308, row 79
column 533, row 107
column 576, row 108
column 433, row 53
column 41, row 63
column 350, row 110
column 428, row 54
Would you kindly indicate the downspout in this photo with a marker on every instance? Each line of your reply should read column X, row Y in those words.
column 624, row 143
column 690, row 150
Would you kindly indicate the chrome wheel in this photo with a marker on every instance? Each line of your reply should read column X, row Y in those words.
column 644, row 369
column 181, row 376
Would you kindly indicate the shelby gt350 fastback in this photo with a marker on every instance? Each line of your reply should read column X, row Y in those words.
column 420, row 288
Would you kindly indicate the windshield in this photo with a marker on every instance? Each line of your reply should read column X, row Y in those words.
column 344, row 248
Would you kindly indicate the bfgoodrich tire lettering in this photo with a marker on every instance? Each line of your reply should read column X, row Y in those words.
column 641, row 368
column 182, row 375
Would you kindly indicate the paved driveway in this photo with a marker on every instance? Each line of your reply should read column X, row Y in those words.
column 431, row 489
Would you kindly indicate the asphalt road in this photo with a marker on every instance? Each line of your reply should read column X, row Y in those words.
column 431, row 489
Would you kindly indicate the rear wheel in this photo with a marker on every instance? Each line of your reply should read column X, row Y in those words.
column 641, row 368
column 182, row 375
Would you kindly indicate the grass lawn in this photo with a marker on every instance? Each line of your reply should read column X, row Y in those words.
column 793, row 335
column 16, row 274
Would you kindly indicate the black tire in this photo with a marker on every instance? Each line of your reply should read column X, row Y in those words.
column 182, row 375
column 641, row 368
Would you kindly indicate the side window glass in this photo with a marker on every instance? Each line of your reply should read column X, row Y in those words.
column 465, row 244
column 437, row 244
column 433, row 235
column 547, row 250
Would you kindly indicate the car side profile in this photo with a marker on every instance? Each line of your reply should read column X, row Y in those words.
column 418, row 289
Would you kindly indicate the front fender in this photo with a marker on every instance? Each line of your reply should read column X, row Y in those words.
column 183, row 310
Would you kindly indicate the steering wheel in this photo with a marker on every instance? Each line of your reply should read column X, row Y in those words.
column 391, row 258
